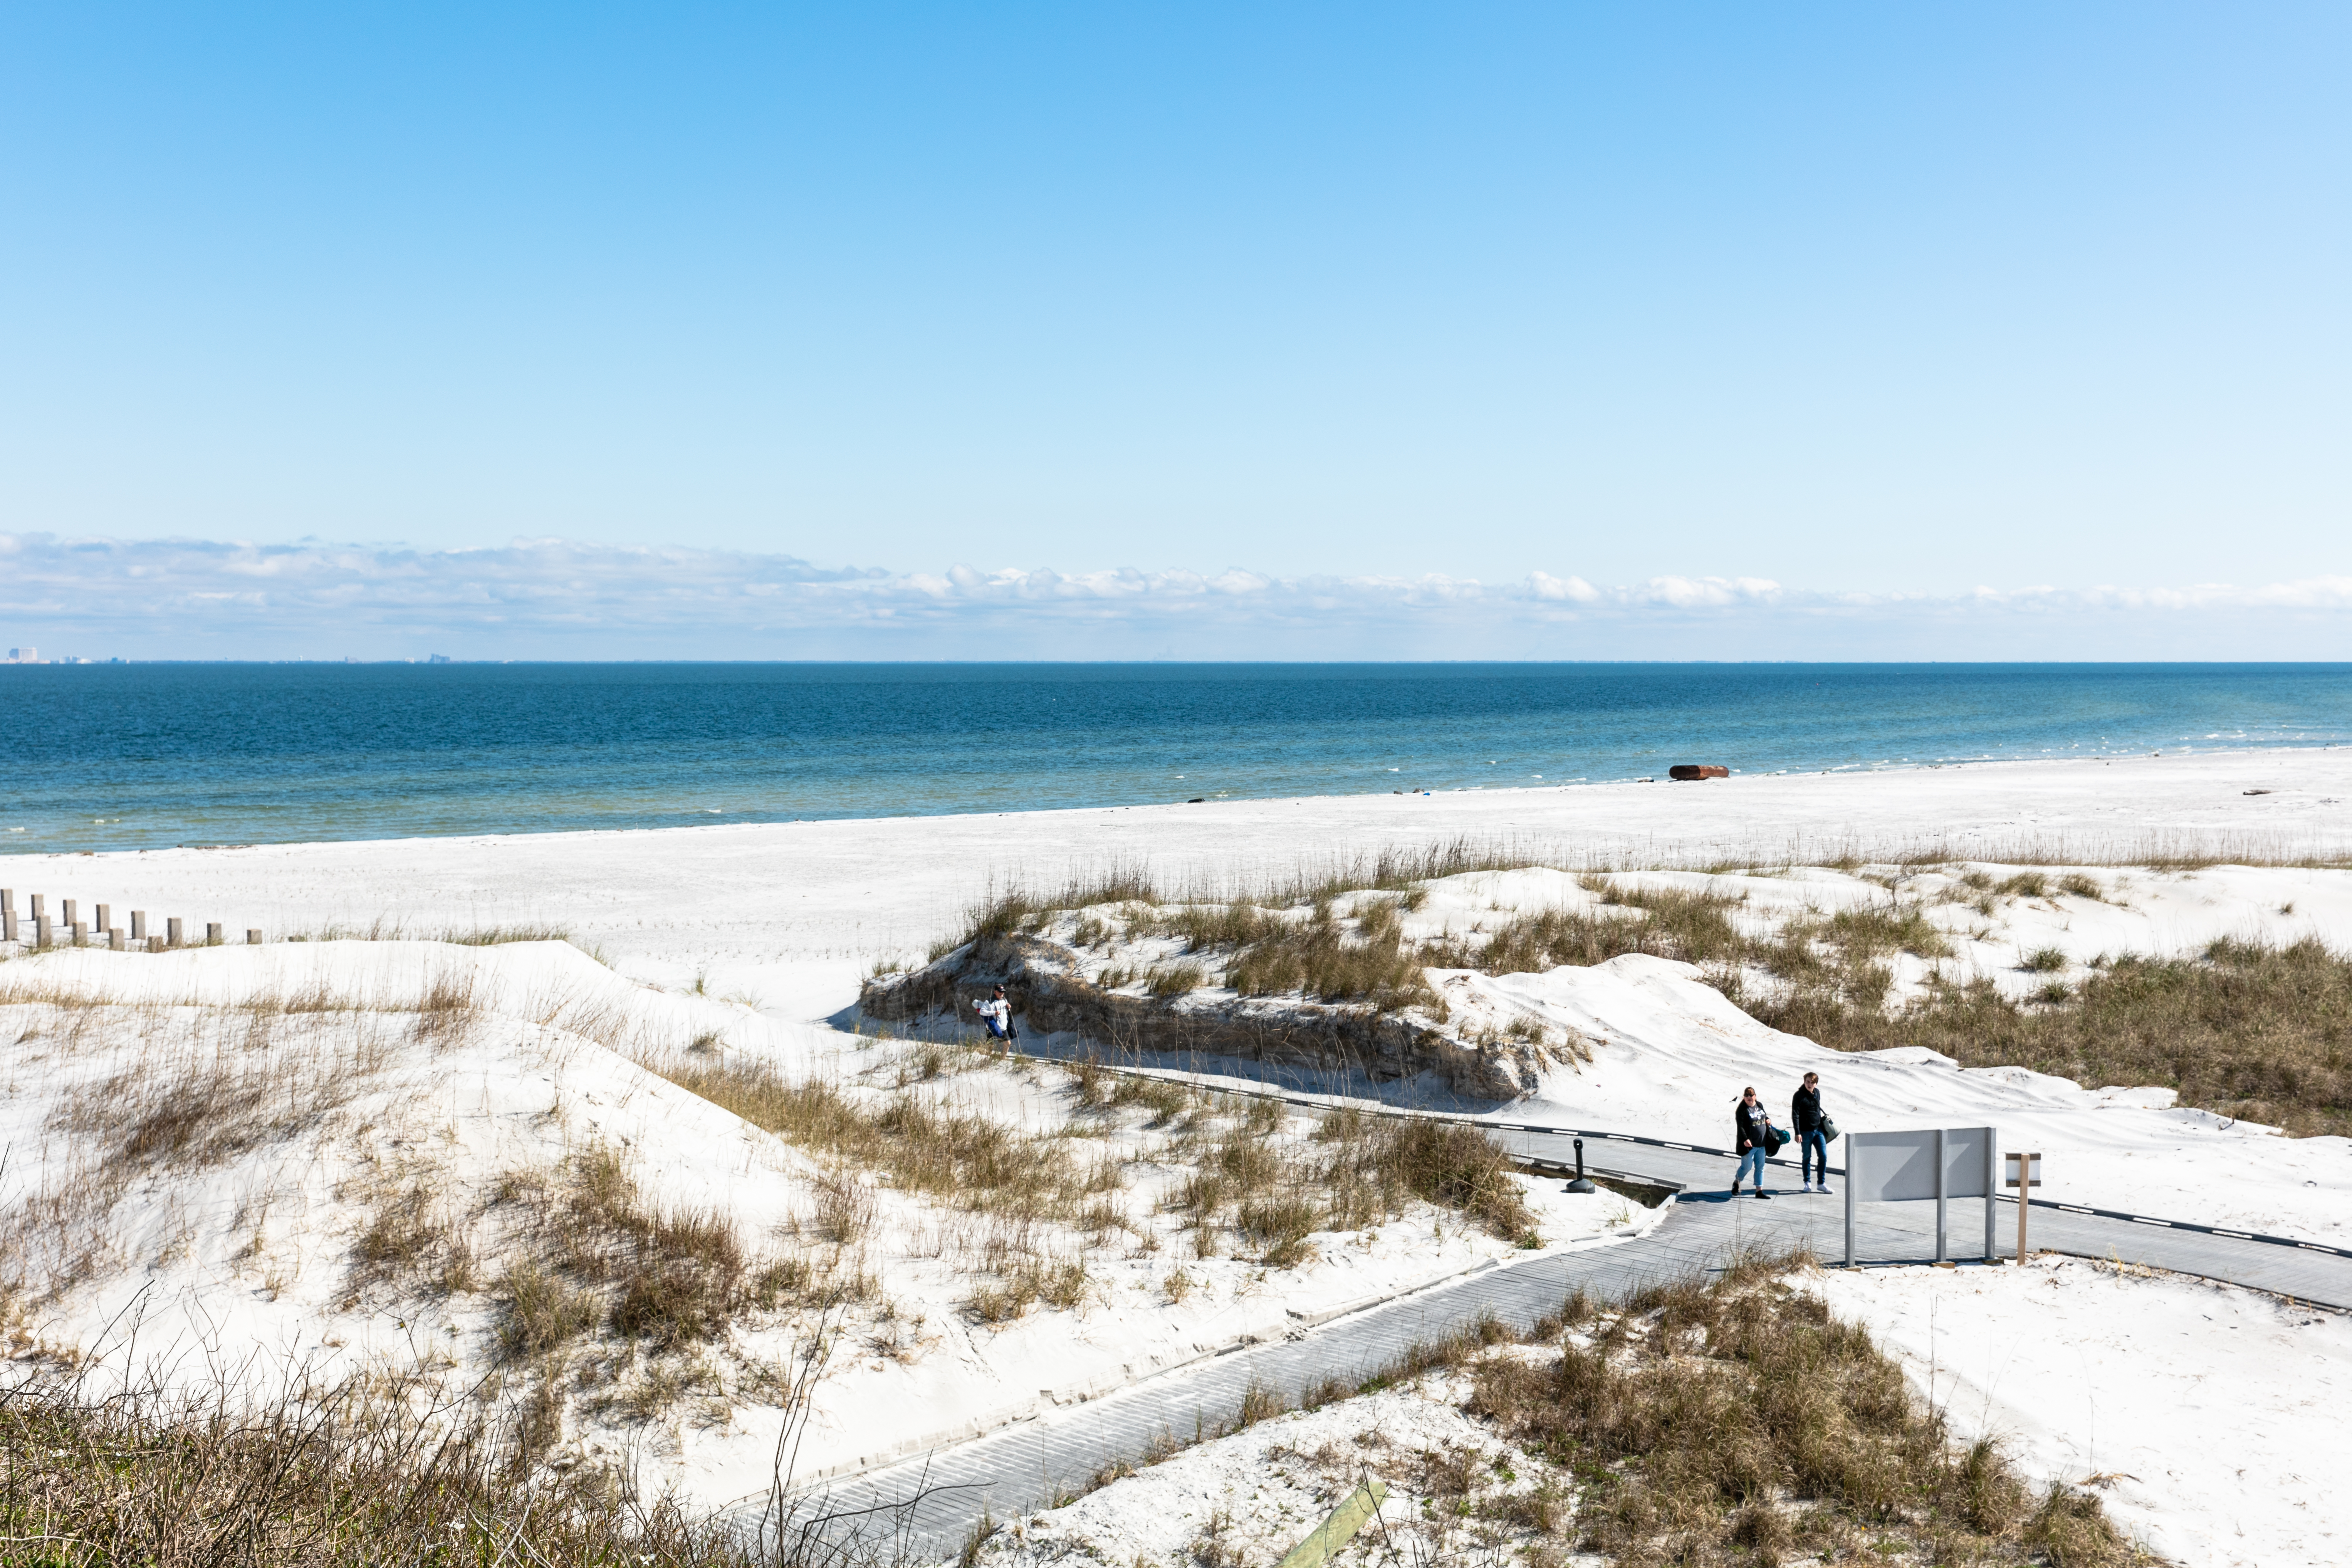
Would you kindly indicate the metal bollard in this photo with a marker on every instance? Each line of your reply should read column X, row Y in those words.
column 114, row 938
column 213, row 934
column 104, row 918
column 81, row 933
column 252, row 938
column 1582, row 1183
column 138, row 925
column 172, row 936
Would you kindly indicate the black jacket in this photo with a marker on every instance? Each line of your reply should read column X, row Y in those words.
column 1748, row 1122
column 1805, row 1111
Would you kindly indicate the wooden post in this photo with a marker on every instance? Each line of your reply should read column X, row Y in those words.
column 1324, row 1541
column 104, row 918
column 138, row 925
column 172, row 932
column 114, row 938
column 2025, row 1173
column 66, row 912
column 81, row 933
column 213, row 934
column 41, row 932
column 252, row 938
column 40, row 906
column 7, row 914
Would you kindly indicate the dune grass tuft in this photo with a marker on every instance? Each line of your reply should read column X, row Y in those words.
column 2247, row 1030
column 1737, row 1421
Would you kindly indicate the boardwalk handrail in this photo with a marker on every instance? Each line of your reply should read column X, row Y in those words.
column 1375, row 1108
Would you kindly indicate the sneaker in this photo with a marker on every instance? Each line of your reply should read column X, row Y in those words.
column 1824, row 1188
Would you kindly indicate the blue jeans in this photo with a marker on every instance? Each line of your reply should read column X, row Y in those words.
column 1813, row 1148
column 1754, row 1157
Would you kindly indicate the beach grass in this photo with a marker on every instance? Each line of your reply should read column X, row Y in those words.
column 2248, row 1030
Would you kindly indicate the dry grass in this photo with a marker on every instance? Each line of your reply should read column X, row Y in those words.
column 1693, row 925
column 968, row 1160
column 1738, row 1422
column 1320, row 957
column 1389, row 869
column 1250, row 1177
column 411, row 1238
column 1351, row 1173
column 668, row 1277
column 327, row 1483
column 2248, row 1031
column 182, row 1090
column 499, row 935
column 385, row 1468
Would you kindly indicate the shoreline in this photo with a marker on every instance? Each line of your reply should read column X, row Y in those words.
column 1513, row 792
column 811, row 904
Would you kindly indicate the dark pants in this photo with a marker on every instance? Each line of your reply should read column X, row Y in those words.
column 1813, row 1148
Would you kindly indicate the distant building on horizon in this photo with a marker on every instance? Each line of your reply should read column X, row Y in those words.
column 23, row 656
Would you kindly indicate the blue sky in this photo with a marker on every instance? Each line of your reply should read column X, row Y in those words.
column 1875, row 305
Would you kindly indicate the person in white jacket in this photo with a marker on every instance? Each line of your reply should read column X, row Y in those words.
column 997, row 1014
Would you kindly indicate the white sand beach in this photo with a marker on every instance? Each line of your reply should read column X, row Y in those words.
column 750, row 939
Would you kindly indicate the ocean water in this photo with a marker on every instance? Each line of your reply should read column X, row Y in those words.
column 134, row 756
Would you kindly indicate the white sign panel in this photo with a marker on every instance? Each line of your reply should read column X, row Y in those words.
column 1937, row 1162
column 1899, row 1167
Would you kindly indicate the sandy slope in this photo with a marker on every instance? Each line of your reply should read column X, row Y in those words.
column 241, row 1248
column 2214, row 1416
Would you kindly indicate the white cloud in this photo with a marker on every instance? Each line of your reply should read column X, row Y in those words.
column 559, row 599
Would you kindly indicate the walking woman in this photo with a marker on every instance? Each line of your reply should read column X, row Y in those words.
column 1754, row 1132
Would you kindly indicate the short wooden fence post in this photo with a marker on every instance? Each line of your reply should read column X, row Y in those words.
column 81, row 933
column 252, row 938
column 114, row 938
column 213, row 934
column 138, row 925
column 172, row 929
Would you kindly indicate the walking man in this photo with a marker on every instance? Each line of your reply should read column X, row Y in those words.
column 1812, row 1138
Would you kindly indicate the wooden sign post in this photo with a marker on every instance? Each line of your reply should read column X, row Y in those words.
column 2023, row 1171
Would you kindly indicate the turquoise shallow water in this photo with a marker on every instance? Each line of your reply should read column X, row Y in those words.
column 133, row 756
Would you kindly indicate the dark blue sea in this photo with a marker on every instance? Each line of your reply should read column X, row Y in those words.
column 133, row 756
